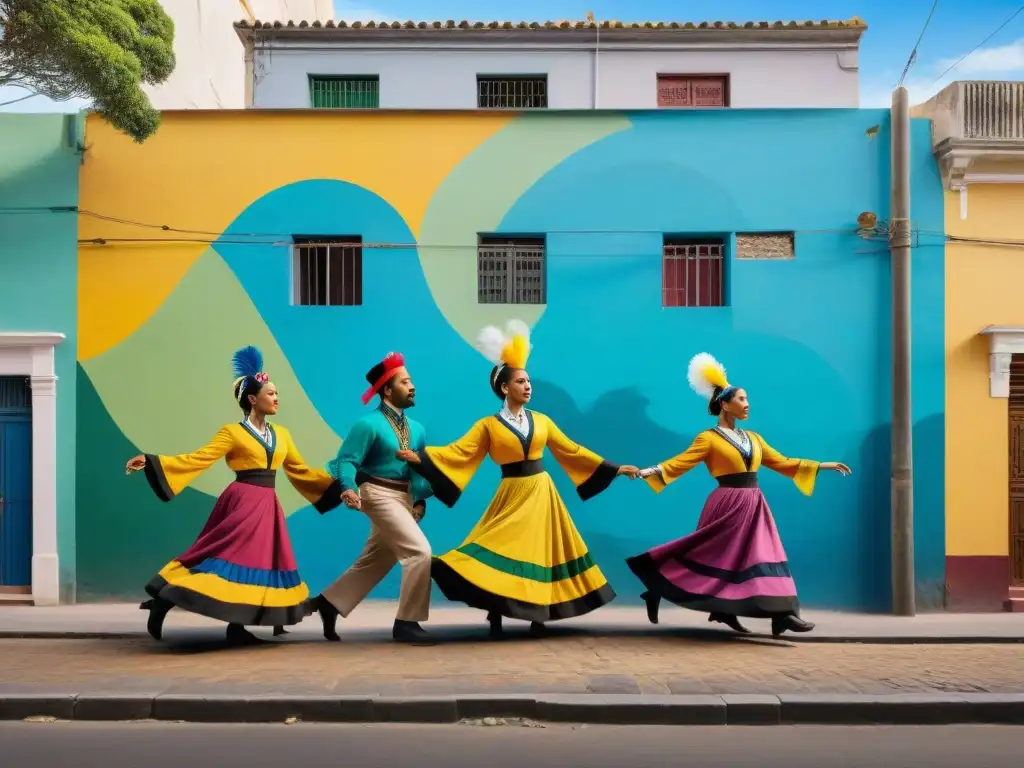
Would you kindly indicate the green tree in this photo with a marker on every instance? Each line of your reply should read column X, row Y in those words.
column 103, row 50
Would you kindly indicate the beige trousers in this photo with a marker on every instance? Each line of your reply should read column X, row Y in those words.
column 395, row 536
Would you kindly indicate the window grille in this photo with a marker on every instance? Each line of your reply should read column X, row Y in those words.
column 328, row 272
column 693, row 91
column 511, row 271
column 344, row 92
column 512, row 92
column 693, row 273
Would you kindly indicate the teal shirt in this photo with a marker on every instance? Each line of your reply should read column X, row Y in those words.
column 370, row 448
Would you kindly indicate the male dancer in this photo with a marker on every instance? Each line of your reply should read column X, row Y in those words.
column 378, row 484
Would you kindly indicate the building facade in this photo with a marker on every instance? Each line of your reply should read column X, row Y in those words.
column 40, row 157
column 552, row 65
column 624, row 249
column 210, row 68
column 978, row 139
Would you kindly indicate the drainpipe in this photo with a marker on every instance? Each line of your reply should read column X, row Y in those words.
column 597, row 53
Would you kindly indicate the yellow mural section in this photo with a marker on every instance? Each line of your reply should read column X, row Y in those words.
column 212, row 166
column 983, row 287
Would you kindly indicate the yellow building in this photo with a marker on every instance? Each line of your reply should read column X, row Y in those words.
column 978, row 139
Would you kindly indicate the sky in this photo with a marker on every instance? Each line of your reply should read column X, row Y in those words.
column 893, row 27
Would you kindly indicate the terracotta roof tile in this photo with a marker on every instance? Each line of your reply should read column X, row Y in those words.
column 854, row 23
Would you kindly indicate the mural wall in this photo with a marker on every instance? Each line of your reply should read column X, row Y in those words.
column 195, row 262
column 39, row 164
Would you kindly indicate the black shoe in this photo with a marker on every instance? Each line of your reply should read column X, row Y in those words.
column 278, row 631
column 653, row 604
column 496, row 630
column 158, row 610
column 537, row 629
column 730, row 621
column 239, row 635
column 411, row 632
column 328, row 616
column 791, row 623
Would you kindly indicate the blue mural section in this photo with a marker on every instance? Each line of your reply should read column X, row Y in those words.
column 808, row 337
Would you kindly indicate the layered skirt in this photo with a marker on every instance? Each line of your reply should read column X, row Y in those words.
column 241, row 569
column 524, row 559
column 733, row 563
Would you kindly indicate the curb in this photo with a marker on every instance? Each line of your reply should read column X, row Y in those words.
column 15, row 634
column 622, row 709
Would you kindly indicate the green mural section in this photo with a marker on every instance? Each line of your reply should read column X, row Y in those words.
column 503, row 168
column 167, row 387
column 124, row 533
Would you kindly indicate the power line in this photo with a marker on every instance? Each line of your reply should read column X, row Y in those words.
column 15, row 101
column 913, row 52
column 975, row 48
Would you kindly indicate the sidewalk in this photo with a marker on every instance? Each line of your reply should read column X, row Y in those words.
column 614, row 667
column 373, row 621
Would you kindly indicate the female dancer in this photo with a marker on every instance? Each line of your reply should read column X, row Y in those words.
column 733, row 564
column 241, row 569
column 524, row 559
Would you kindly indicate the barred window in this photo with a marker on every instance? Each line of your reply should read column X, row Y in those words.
column 512, row 91
column 693, row 272
column 344, row 92
column 327, row 271
column 511, row 270
column 693, row 91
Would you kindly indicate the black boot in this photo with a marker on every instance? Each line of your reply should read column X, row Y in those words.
column 653, row 604
column 494, row 619
column 730, row 621
column 279, row 630
column 411, row 632
column 537, row 629
column 239, row 635
column 158, row 610
column 790, row 622
column 328, row 616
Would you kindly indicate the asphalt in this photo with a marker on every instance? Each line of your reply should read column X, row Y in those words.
column 510, row 745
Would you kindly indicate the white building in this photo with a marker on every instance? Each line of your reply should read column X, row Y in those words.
column 554, row 65
column 210, row 70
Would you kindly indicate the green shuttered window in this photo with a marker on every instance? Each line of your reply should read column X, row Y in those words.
column 362, row 92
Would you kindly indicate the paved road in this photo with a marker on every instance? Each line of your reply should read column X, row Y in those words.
column 656, row 663
column 150, row 745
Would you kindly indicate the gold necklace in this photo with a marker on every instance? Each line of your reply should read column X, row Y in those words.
column 401, row 429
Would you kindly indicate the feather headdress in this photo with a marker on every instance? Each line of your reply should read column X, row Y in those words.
column 511, row 348
column 704, row 374
column 247, row 363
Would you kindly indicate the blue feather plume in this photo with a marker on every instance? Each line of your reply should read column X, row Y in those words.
column 248, row 361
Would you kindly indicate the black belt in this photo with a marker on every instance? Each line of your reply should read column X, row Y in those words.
column 522, row 468
column 383, row 482
column 738, row 480
column 264, row 478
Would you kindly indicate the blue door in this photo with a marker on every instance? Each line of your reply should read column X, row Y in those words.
column 15, row 483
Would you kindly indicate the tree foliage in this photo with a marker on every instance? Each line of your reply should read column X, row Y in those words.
column 103, row 50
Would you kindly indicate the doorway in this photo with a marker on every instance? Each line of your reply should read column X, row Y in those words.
column 1016, row 473
column 15, row 487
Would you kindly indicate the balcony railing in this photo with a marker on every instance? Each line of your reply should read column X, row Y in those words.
column 985, row 110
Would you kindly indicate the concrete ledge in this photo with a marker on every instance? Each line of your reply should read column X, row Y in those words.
column 631, row 709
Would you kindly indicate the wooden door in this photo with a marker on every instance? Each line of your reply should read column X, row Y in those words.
column 1016, row 419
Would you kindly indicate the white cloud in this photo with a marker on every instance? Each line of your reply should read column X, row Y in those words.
column 1004, row 62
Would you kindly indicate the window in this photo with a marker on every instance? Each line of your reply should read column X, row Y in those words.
column 511, row 270
column 693, row 272
column 345, row 92
column 693, row 91
column 327, row 271
column 512, row 91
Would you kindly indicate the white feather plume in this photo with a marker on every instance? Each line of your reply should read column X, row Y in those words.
column 490, row 341
column 696, row 374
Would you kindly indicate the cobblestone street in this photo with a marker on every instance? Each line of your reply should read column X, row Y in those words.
column 568, row 663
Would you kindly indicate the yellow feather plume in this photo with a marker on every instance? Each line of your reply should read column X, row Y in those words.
column 705, row 373
column 516, row 352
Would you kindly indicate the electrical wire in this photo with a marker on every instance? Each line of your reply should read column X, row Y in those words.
column 913, row 53
column 999, row 29
column 15, row 101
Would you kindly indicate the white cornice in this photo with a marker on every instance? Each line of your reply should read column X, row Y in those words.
column 30, row 339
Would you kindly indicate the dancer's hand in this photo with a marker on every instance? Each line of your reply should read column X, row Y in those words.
column 406, row 455
column 135, row 464
column 629, row 470
column 835, row 466
column 351, row 499
column 418, row 511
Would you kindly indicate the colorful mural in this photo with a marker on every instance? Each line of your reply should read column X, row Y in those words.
column 808, row 337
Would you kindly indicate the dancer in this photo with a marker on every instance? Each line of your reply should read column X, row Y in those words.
column 241, row 569
column 524, row 559
column 377, row 483
column 733, row 564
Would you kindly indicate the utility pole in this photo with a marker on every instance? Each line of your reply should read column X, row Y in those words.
column 902, row 488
